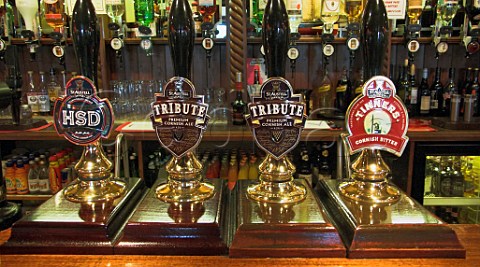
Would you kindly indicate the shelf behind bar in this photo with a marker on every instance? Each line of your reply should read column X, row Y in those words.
column 451, row 201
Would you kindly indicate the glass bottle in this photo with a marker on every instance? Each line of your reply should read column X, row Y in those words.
column 359, row 84
column 449, row 89
column 54, row 13
column 53, row 88
column 32, row 95
column 197, row 19
column 115, row 10
column 33, row 178
column 294, row 11
column 86, row 38
column 343, row 93
column 473, row 89
column 457, row 178
column 354, row 9
column 43, row 178
column 436, row 97
column 144, row 12
column 412, row 94
column 414, row 10
column 427, row 19
column 446, row 177
column 238, row 105
column 208, row 9
column 43, row 98
column 257, row 8
column 446, row 11
column 29, row 12
column 425, row 95
column 330, row 13
column 472, row 9
column 304, row 168
column 321, row 98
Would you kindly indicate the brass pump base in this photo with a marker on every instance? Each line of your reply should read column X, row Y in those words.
column 370, row 174
column 184, row 181
column 379, row 192
column 94, row 191
column 95, row 182
column 276, row 183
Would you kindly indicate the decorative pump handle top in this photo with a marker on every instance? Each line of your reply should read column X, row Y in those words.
column 275, row 36
column 181, row 37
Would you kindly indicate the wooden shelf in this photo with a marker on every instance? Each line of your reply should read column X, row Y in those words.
column 451, row 201
column 28, row 197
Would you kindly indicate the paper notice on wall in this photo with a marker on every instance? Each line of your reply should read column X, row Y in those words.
column 99, row 6
column 395, row 8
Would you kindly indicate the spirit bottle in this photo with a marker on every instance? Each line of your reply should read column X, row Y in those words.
column 343, row 93
column 446, row 11
column 321, row 98
column 54, row 13
column 414, row 11
column 472, row 9
column 330, row 14
column 450, row 89
column 412, row 104
column 144, row 12
column 32, row 94
column 238, row 105
column 43, row 99
column 208, row 9
column 436, row 93
column 115, row 10
column 29, row 12
column 427, row 19
column 294, row 11
column 425, row 94
column 257, row 8
column 354, row 9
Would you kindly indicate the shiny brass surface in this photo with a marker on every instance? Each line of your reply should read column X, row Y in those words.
column 370, row 176
column 94, row 182
column 184, row 181
column 276, row 182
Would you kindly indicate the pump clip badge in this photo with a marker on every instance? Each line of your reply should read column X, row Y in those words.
column 277, row 117
column 377, row 119
column 81, row 116
column 179, row 116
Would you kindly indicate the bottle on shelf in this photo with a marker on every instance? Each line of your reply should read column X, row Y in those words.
column 197, row 19
column 232, row 172
column 446, row 11
column 43, row 177
column 33, row 178
column 208, row 9
column 257, row 8
column 238, row 105
column 412, row 94
column 144, row 12
column 403, row 83
column 427, row 19
column 253, row 167
column 324, row 172
column 55, row 178
column 343, row 93
column 436, row 94
column 115, row 10
column 243, row 168
column 457, row 178
column 10, row 177
column 43, row 98
column 294, row 11
column 473, row 89
column 54, row 13
column 321, row 98
column 304, row 168
column 472, row 9
column 425, row 96
column 359, row 85
column 330, row 13
column 414, row 11
column 53, row 88
column 446, row 177
column 354, row 9
column 29, row 12
column 32, row 95
column 21, row 178
column 449, row 89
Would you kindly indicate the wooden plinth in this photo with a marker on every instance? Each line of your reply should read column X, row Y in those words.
column 279, row 230
column 160, row 228
column 404, row 229
column 7, row 125
column 59, row 226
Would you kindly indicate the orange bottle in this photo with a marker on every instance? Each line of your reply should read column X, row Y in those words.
column 21, row 178
column 54, row 175
column 10, row 178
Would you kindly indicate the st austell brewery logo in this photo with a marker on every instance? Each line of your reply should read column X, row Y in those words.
column 81, row 116
column 179, row 116
column 277, row 117
column 378, row 118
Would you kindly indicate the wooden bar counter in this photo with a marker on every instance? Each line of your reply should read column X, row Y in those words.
column 469, row 235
